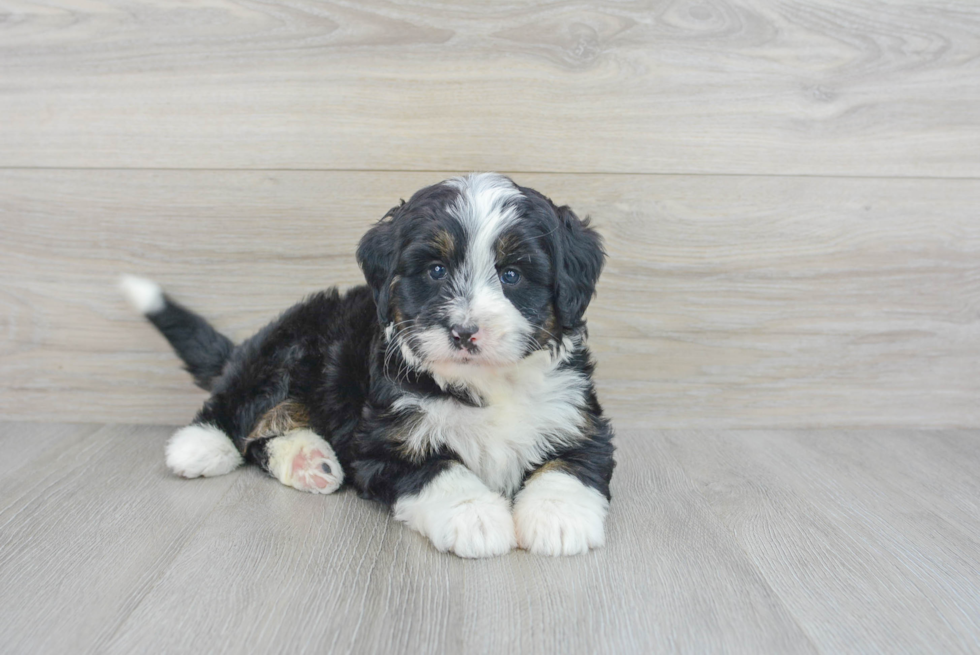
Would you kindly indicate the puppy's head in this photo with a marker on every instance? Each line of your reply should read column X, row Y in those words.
column 479, row 271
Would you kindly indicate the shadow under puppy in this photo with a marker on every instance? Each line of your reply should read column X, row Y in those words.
column 457, row 380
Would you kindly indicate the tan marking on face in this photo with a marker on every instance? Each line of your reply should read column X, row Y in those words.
column 548, row 331
column 286, row 416
column 445, row 245
column 506, row 245
column 393, row 309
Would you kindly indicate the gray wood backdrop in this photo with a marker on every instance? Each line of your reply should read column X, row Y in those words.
column 790, row 191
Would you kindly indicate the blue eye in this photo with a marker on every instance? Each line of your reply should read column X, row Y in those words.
column 510, row 276
column 437, row 271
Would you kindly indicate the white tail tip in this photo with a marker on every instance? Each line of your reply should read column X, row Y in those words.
column 144, row 295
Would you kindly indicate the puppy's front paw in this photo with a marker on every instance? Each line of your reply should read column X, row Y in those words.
column 482, row 527
column 301, row 459
column 555, row 514
column 459, row 514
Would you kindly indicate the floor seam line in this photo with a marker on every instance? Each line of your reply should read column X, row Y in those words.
column 748, row 557
column 452, row 171
column 102, row 645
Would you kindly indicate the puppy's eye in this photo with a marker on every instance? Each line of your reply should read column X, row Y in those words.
column 437, row 271
column 510, row 276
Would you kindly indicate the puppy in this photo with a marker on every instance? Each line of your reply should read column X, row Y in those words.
column 456, row 387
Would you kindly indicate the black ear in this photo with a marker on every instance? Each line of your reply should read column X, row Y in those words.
column 580, row 257
column 376, row 256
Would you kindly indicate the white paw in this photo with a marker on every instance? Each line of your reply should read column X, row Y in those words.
column 555, row 514
column 201, row 450
column 303, row 460
column 459, row 514
column 482, row 527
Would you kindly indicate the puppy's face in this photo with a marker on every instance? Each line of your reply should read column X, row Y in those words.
column 478, row 271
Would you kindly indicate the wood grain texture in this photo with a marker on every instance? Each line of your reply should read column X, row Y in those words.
column 803, row 541
column 272, row 569
column 851, row 87
column 855, row 532
column 727, row 301
column 86, row 532
column 23, row 443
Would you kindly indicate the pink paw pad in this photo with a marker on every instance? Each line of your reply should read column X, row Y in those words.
column 303, row 460
column 313, row 469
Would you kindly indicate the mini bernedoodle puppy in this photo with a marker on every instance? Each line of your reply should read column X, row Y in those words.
column 456, row 387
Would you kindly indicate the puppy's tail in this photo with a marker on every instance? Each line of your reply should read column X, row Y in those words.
column 203, row 349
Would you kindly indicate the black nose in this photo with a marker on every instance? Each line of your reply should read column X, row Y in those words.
column 464, row 336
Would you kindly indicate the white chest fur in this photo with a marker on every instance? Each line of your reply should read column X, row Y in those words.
column 528, row 411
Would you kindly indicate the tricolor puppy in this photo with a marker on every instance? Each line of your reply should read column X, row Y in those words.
column 456, row 387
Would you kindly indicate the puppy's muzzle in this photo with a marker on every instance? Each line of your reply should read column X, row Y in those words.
column 466, row 336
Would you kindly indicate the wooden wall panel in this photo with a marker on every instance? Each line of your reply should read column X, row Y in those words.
column 727, row 301
column 837, row 87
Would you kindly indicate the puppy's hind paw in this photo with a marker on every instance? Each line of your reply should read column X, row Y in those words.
column 303, row 460
column 201, row 450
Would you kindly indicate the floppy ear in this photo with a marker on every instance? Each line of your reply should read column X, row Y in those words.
column 376, row 256
column 579, row 263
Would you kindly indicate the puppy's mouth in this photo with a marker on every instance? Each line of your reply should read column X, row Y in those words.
column 458, row 344
column 471, row 353
column 467, row 356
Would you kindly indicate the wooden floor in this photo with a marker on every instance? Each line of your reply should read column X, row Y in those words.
column 718, row 541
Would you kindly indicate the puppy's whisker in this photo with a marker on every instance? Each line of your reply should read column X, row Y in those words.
column 403, row 337
column 525, row 240
column 393, row 346
column 546, row 331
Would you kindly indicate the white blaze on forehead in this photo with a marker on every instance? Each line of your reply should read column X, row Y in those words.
column 482, row 195
column 485, row 208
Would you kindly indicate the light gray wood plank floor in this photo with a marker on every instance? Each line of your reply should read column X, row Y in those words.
column 718, row 541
